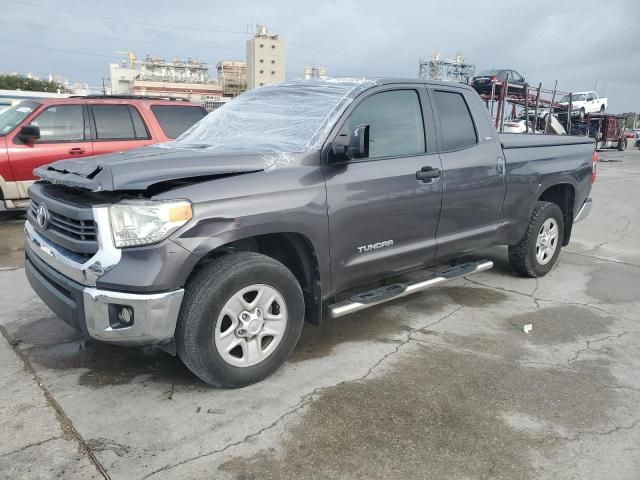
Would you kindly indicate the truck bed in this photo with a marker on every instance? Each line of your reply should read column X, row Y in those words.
column 524, row 140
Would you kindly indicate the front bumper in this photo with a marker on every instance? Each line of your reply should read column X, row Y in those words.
column 95, row 312
column 67, row 284
column 584, row 211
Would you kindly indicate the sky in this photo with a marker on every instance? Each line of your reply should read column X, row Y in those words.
column 584, row 45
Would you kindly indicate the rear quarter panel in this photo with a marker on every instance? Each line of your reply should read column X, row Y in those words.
column 535, row 163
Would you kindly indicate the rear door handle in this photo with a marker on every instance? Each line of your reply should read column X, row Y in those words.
column 426, row 174
column 77, row 151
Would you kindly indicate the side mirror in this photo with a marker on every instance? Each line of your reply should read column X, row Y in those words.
column 359, row 142
column 349, row 146
column 29, row 133
column 340, row 148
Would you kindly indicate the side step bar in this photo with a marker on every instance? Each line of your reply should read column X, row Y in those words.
column 398, row 290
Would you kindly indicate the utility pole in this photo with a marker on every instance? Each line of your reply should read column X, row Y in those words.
column 104, row 88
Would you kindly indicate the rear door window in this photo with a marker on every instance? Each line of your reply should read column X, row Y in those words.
column 60, row 123
column 395, row 123
column 118, row 122
column 458, row 129
column 177, row 119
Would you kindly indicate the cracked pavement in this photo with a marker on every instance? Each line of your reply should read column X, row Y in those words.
column 441, row 384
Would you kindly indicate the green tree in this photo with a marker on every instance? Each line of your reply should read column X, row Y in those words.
column 20, row 82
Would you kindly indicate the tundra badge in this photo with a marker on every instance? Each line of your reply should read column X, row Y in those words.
column 375, row 246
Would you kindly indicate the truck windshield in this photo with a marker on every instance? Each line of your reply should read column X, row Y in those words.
column 581, row 97
column 13, row 116
column 287, row 117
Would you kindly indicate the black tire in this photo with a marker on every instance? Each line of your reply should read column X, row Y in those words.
column 622, row 146
column 205, row 295
column 583, row 113
column 522, row 256
column 601, row 108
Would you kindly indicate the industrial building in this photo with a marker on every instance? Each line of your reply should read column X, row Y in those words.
column 265, row 58
column 232, row 76
column 315, row 72
column 190, row 78
column 447, row 69
column 154, row 76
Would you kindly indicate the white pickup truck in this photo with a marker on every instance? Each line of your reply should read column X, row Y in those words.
column 584, row 102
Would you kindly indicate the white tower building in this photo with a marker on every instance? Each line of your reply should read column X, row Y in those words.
column 265, row 58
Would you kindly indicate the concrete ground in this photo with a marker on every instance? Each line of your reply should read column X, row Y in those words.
column 444, row 384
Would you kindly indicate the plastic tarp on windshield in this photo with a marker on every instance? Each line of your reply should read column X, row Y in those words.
column 276, row 119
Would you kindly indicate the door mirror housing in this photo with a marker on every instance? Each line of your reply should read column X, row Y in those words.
column 29, row 134
column 359, row 142
column 347, row 147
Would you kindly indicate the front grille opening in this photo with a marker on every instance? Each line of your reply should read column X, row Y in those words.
column 74, row 229
column 78, row 229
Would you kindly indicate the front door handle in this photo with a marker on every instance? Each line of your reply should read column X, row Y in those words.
column 77, row 151
column 426, row 174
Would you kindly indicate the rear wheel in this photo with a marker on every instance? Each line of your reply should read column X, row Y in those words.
column 538, row 250
column 240, row 319
column 601, row 108
column 622, row 145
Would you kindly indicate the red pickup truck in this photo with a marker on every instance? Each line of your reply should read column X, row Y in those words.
column 37, row 132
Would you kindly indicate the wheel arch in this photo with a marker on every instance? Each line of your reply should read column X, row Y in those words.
column 563, row 195
column 295, row 251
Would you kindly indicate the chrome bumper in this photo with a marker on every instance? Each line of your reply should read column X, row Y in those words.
column 154, row 316
column 66, row 282
column 584, row 211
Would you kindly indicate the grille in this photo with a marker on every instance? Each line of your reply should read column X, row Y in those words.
column 69, row 227
column 79, row 235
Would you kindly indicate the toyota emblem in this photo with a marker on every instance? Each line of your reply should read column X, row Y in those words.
column 42, row 216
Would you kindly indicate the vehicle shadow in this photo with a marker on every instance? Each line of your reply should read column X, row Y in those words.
column 13, row 215
column 51, row 344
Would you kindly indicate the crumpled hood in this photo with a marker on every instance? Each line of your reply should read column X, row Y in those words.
column 140, row 168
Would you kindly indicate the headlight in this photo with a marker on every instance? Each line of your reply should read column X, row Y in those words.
column 141, row 222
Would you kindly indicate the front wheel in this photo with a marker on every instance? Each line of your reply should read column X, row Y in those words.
column 538, row 250
column 240, row 319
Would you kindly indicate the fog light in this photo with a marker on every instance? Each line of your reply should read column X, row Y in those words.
column 120, row 316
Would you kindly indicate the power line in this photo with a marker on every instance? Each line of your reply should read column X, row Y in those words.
column 108, row 37
column 53, row 49
column 136, row 22
column 359, row 57
column 198, row 29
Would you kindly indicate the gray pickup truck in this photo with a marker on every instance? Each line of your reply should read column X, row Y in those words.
column 277, row 207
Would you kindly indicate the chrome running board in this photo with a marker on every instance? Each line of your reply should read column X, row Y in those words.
column 398, row 290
